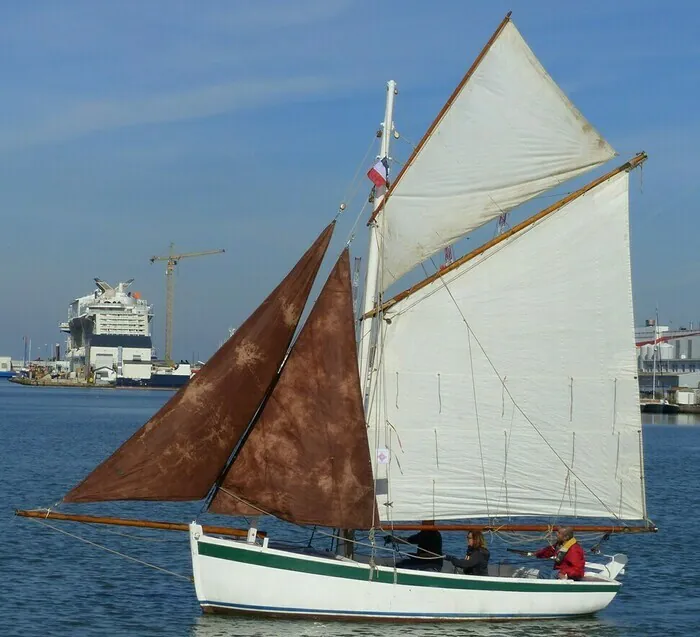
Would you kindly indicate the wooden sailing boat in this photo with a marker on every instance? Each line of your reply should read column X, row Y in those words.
column 503, row 386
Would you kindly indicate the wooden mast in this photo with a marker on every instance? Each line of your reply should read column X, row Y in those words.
column 440, row 115
column 631, row 164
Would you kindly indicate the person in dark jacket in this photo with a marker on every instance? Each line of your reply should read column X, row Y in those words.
column 568, row 554
column 429, row 554
column 476, row 562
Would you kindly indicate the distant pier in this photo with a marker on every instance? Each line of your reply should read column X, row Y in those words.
column 73, row 382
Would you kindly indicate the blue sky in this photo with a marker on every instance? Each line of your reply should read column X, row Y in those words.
column 240, row 125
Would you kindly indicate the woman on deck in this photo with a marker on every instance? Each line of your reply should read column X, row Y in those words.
column 476, row 561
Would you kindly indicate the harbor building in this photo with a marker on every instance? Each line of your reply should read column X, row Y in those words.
column 6, row 369
column 666, row 358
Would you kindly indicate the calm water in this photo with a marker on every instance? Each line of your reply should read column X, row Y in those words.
column 54, row 584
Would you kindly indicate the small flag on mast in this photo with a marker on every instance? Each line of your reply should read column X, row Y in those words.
column 379, row 173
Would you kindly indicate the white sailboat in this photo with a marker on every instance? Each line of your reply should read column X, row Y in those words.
column 502, row 387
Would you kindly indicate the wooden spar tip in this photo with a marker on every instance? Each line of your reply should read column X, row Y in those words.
column 633, row 163
column 637, row 160
column 521, row 528
column 45, row 514
column 439, row 117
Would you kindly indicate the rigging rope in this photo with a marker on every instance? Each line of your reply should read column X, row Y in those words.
column 351, row 234
column 408, row 141
column 315, row 529
column 532, row 424
column 471, row 333
column 141, row 538
column 353, row 189
column 476, row 415
column 476, row 406
column 109, row 550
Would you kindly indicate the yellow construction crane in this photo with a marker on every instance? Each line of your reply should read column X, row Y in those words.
column 172, row 260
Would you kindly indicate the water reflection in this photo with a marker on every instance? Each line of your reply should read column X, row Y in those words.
column 682, row 420
column 229, row 626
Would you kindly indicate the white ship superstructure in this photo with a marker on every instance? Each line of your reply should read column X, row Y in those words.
column 110, row 329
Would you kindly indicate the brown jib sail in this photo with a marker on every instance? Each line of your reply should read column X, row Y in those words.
column 307, row 458
column 180, row 452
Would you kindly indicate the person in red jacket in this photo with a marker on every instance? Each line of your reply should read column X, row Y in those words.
column 569, row 558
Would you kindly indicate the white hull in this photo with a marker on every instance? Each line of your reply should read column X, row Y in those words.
column 239, row 577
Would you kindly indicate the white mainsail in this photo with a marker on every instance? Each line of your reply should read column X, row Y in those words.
column 508, row 386
column 508, row 134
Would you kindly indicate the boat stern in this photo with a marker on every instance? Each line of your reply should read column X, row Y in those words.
column 610, row 570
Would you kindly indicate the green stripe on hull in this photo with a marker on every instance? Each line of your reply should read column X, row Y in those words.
column 346, row 571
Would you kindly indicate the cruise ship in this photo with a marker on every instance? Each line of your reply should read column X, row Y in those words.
column 109, row 338
column 109, row 329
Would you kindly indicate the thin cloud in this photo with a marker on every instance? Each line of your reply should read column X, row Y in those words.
column 91, row 116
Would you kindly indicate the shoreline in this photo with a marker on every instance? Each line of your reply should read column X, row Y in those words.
column 71, row 384
column 688, row 409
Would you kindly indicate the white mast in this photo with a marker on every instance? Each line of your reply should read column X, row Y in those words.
column 656, row 340
column 367, row 331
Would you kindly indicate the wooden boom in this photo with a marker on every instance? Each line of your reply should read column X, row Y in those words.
column 224, row 530
column 144, row 524
column 522, row 528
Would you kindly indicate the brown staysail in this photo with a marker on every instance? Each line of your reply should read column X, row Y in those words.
column 180, row 452
column 307, row 458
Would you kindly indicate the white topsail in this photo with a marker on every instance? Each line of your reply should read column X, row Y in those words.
column 533, row 409
column 508, row 134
